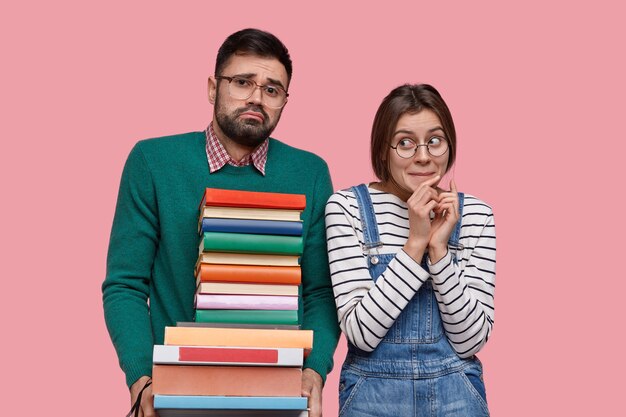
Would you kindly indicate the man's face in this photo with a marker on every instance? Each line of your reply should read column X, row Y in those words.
column 246, row 122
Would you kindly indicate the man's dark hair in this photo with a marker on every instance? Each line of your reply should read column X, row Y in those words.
column 253, row 42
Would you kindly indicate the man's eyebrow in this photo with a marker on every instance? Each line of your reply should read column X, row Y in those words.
column 245, row 75
column 248, row 75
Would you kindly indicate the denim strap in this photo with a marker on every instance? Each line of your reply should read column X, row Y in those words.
column 368, row 219
column 453, row 242
column 456, row 233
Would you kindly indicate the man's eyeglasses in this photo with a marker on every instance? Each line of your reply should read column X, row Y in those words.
column 406, row 148
column 242, row 89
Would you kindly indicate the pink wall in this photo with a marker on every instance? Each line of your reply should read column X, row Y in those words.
column 536, row 90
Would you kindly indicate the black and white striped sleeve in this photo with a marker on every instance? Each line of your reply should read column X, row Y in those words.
column 366, row 310
column 465, row 292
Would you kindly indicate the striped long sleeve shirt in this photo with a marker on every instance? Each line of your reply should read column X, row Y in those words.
column 367, row 309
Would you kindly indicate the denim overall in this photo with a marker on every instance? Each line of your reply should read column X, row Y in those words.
column 413, row 371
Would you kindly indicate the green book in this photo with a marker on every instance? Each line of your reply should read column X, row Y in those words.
column 248, row 316
column 251, row 243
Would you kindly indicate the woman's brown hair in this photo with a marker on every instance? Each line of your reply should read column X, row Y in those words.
column 412, row 99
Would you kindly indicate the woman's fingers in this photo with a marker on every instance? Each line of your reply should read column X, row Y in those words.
column 424, row 187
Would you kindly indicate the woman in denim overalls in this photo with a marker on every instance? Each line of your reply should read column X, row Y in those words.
column 418, row 367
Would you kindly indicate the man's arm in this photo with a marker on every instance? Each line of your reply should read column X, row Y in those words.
column 126, row 288
column 319, row 305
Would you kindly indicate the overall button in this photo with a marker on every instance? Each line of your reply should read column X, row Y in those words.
column 374, row 260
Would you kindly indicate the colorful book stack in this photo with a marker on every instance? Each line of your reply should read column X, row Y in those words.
column 210, row 371
column 247, row 270
column 243, row 356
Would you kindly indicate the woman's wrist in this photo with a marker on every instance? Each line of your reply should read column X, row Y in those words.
column 437, row 253
column 415, row 248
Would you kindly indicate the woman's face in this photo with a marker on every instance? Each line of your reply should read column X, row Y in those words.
column 422, row 128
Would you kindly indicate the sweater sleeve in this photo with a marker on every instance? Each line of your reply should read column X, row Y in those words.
column 465, row 293
column 366, row 309
column 319, row 311
column 126, row 288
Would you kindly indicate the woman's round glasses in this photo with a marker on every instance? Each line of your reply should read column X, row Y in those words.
column 242, row 89
column 406, row 148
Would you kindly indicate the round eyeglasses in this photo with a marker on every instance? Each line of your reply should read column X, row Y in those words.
column 242, row 89
column 406, row 148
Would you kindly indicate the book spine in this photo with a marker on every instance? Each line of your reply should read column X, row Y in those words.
column 250, row 273
column 246, row 302
column 251, row 243
column 264, row 227
column 209, row 336
column 239, row 325
column 248, row 316
column 226, row 380
column 250, row 213
column 243, row 288
column 238, row 198
column 209, row 355
column 229, row 403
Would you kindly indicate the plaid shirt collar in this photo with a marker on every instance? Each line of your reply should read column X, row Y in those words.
column 218, row 157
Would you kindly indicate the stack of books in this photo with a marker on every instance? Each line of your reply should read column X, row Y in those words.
column 247, row 269
column 243, row 355
column 211, row 371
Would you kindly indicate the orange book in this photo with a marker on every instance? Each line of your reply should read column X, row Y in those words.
column 248, row 273
column 221, row 336
column 237, row 198
column 226, row 380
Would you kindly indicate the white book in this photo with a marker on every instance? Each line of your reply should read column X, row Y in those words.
column 220, row 355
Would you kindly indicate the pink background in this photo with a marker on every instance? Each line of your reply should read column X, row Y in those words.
column 536, row 89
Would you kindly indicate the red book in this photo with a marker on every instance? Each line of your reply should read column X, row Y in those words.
column 252, row 199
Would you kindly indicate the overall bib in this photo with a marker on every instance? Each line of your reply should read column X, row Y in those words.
column 413, row 371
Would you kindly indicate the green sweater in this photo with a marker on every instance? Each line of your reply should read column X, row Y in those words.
column 154, row 243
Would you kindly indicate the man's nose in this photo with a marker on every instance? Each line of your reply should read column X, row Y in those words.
column 256, row 97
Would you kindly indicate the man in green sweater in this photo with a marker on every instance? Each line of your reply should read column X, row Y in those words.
column 150, row 280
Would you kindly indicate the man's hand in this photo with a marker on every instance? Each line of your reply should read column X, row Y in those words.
column 312, row 389
column 146, row 408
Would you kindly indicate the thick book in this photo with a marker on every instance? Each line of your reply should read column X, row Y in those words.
column 262, row 227
column 229, row 258
column 267, row 274
column 250, row 213
column 249, row 243
column 238, row 198
column 184, row 412
column 271, row 326
column 245, row 302
column 226, row 380
column 248, row 316
column 210, row 336
column 231, row 403
column 245, row 288
column 219, row 355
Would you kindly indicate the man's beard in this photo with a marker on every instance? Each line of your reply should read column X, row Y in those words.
column 246, row 132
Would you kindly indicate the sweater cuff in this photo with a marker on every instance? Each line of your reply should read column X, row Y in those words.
column 412, row 265
column 318, row 365
column 438, row 267
column 136, row 369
